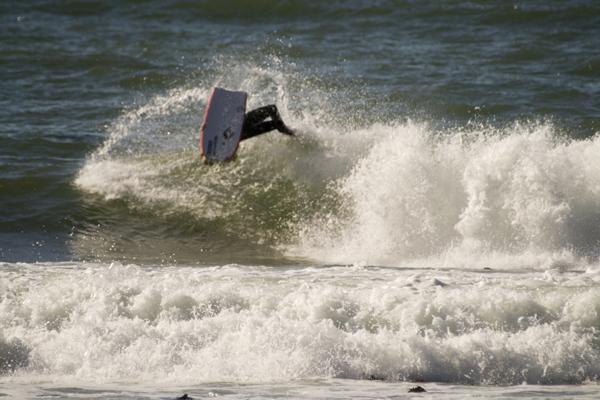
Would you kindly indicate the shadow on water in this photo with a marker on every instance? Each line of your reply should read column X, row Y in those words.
column 115, row 231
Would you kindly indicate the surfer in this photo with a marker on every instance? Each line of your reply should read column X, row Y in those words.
column 226, row 123
column 263, row 120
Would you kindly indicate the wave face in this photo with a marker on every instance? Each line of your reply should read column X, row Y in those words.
column 233, row 323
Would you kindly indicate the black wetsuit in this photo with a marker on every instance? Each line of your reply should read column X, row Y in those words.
column 256, row 123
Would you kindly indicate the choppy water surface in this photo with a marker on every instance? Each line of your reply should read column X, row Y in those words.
column 436, row 222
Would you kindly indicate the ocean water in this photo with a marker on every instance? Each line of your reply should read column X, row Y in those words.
column 436, row 222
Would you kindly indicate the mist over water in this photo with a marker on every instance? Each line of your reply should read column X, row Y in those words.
column 435, row 222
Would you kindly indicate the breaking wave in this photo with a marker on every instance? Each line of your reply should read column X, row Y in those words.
column 372, row 189
column 418, row 193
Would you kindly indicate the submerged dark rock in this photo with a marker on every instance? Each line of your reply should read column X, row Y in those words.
column 416, row 389
column 437, row 282
column 184, row 397
column 14, row 354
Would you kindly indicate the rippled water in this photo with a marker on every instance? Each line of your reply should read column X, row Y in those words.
column 435, row 222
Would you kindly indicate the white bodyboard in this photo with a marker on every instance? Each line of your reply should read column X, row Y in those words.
column 222, row 127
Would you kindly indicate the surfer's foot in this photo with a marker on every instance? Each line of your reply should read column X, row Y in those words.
column 287, row 131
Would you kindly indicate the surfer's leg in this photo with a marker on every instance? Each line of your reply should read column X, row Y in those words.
column 255, row 124
column 276, row 118
column 257, row 129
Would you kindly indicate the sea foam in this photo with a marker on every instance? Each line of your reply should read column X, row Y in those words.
column 103, row 323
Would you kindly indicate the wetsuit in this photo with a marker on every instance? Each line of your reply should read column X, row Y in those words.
column 256, row 123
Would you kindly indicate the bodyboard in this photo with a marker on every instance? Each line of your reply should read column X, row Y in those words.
column 222, row 126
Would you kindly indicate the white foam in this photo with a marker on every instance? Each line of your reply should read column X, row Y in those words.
column 100, row 323
column 420, row 193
